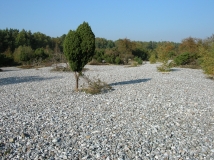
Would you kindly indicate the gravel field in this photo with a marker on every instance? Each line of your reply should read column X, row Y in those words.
column 147, row 115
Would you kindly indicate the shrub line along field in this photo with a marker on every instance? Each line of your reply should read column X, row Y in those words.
column 147, row 114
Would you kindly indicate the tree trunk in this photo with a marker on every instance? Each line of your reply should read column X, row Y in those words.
column 77, row 80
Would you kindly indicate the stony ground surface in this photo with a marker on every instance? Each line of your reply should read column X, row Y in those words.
column 148, row 115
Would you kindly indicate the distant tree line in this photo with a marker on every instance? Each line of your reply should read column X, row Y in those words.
column 24, row 47
column 124, row 50
column 190, row 53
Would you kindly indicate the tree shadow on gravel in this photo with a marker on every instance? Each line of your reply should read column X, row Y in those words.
column 15, row 80
column 130, row 82
column 175, row 69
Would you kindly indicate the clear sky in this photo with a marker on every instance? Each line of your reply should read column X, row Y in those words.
column 140, row 20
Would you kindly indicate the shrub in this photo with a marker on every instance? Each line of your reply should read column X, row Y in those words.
column 99, row 59
column 118, row 60
column 95, row 86
column 138, row 60
column 40, row 53
column 5, row 61
column 79, row 49
column 208, row 64
column 182, row 59
column 152, row 59
column 165, row 67
column 188, row 60
column 23, row 54
column 207, row 61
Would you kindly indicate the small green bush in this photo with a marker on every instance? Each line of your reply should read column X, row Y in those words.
column 40, row 53
column 23, row 54
column 118, row 60
column 207, row 59
column 99, row 59
column 138, row 60
column 152, row 59
column 208, row 64
column 182, row 59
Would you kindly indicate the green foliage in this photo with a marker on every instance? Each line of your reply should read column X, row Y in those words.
column 23, row 54
column 5, row 61
column 73, row 52
column 207, row 61
column 189, row 45
column 188, row 53
column 7, row 39
column 138, row 60
column 40, row 40
column 102, row 43
column 164, row 51
column 40, row 53
column 151, row 45
column 125, row 48
column 110, row 55
column 87, row 41
column 141, row 53
column 79, row 47
column 152, row 59
column 98, row 56
column 208, row 65
column 118, row 60
column 182, row 59
column 109, row 59
column 21, row 38
column 11, row 39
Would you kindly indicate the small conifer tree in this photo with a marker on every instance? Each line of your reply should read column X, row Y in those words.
column 79, row 48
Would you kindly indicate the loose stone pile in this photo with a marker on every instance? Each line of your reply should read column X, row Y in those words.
column 148, row 115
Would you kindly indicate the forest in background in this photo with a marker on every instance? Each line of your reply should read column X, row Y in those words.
column 27, row 48
column 24, row 47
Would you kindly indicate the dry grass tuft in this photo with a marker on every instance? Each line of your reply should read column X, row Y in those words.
column 95, row 86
